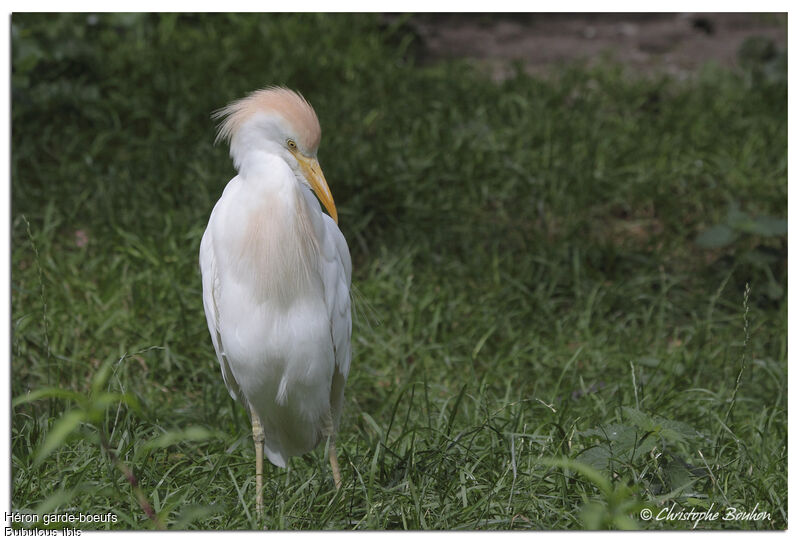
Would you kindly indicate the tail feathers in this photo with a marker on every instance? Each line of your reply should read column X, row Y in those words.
column 278, row 448
column 290, row 436
column 274, row 454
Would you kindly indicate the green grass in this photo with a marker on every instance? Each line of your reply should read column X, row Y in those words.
column 539, row 340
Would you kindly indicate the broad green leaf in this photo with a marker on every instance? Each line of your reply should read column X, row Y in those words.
column 675, row 431
column 610, row 431
column 759, row 257
column 639, row 418
column 649, row 361
column 717, row 236
column 626, row 523
column 599, row 456
column 191, row 513
column 101, row 377
column 56, row 499
column 47, row 393
column 736, row 216
column 770, row 226
column 593, row 515
column 105, row 399
column 679, row 476
column 171, row 438
column 130, row 400
column 59, row 433
column 591, row 474
column 670, row 430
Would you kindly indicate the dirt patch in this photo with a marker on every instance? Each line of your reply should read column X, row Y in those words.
column 675, row 43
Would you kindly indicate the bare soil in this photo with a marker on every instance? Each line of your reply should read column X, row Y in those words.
column 675, row 43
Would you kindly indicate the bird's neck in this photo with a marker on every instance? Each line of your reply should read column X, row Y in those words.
column 276, row 244
column 257, row 166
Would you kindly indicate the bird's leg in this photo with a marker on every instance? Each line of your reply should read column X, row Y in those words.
column 258, row 440
column 337, row 476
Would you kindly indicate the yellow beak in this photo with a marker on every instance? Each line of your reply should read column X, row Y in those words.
column 314, row 176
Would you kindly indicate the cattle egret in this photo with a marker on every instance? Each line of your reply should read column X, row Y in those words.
column 276, row 280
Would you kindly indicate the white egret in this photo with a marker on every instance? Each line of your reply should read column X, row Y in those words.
column 276, row 280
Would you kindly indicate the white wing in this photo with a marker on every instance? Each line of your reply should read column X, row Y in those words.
column 335, row 271
column 208, row 269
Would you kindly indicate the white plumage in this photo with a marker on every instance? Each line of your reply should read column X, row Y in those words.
column 276, row 276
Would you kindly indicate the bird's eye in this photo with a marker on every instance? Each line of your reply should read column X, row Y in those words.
column 292, row 145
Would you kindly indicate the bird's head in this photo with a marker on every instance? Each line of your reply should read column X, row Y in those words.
column 277, row 121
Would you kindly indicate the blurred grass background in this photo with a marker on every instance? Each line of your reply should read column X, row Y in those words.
column 570, row 290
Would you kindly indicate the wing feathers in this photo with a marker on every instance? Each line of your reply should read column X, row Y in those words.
column 208, row 269
column 336, row 271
